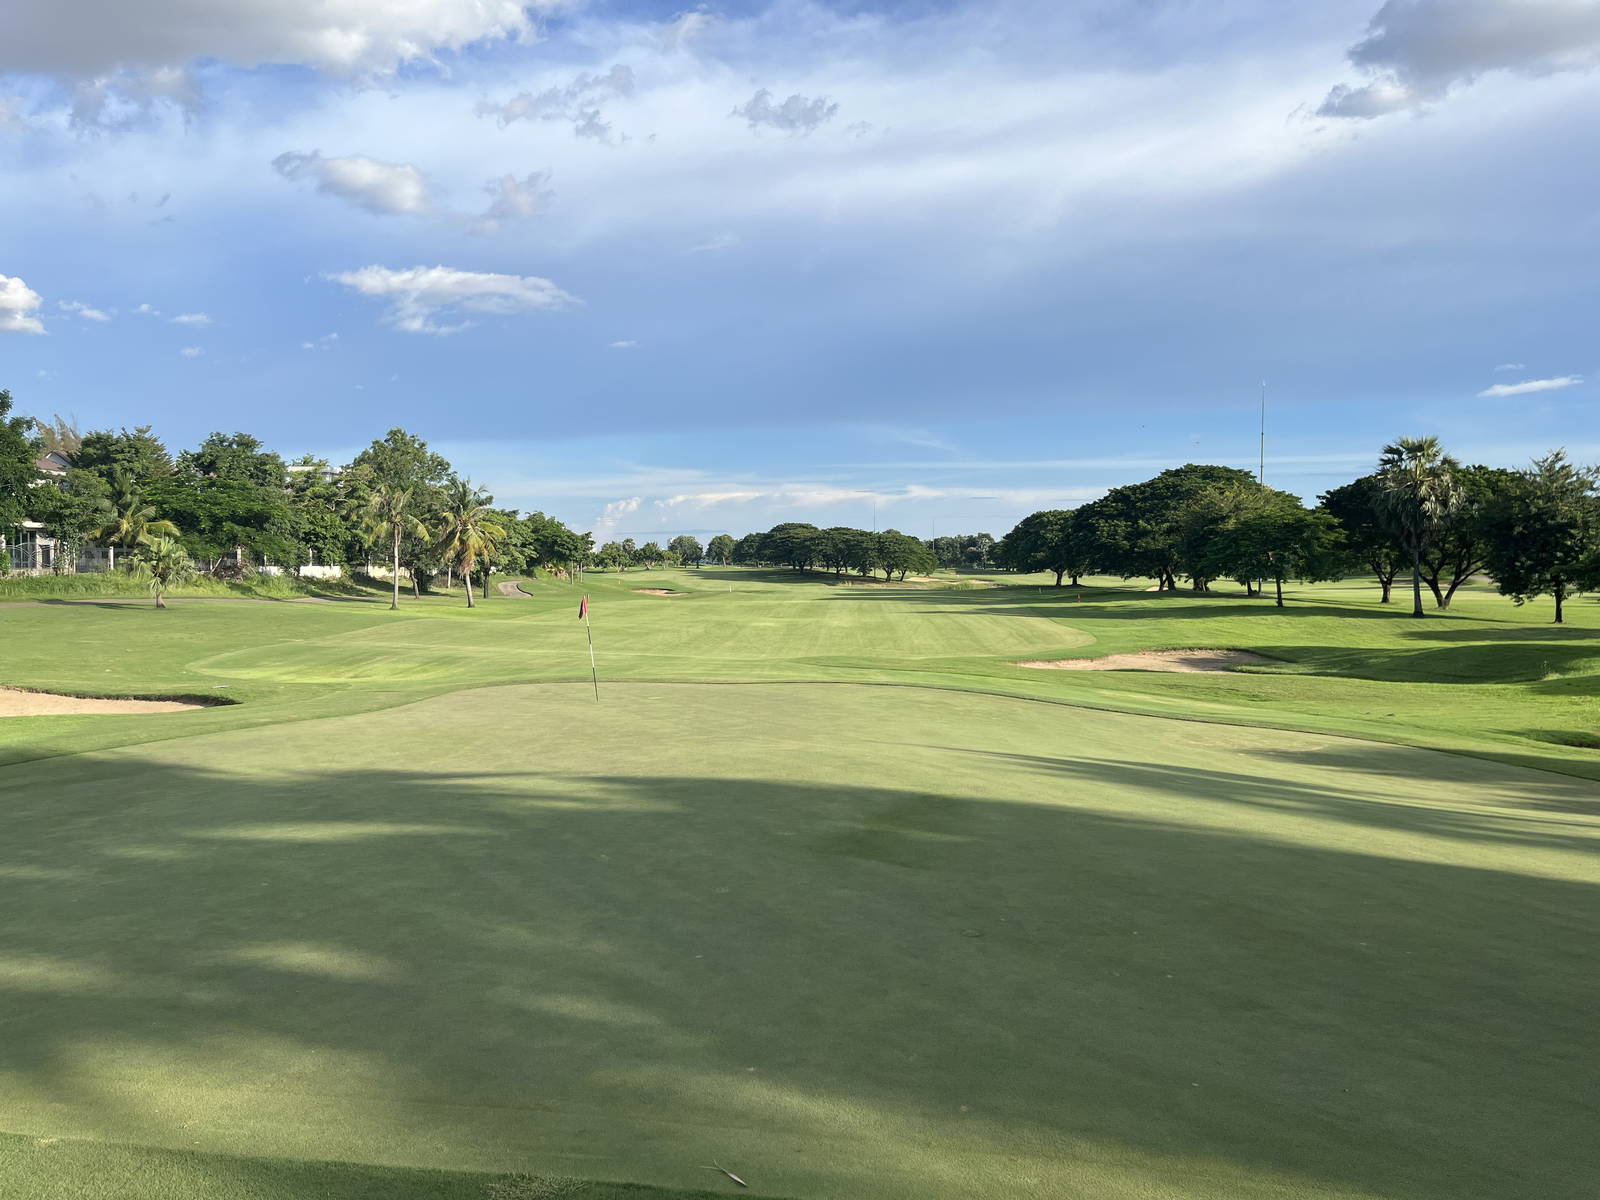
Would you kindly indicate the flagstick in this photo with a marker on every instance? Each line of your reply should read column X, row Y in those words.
column 593, row 673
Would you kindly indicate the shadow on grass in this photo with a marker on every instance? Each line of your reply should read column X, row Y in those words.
column 839, row 991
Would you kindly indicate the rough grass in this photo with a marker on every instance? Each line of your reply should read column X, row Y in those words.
column 403, row 906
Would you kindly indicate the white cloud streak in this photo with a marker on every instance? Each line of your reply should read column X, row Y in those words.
column 418, row 295
column 197, row 319
column 1530, row 385
column 80, row 309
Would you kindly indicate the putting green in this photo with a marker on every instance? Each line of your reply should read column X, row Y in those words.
column 849, row 941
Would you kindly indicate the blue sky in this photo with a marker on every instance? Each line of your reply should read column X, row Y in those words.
column 658, row 269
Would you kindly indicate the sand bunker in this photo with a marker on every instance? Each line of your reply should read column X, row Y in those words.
column 17, row 703
column 658, row 592
column 1158, row 660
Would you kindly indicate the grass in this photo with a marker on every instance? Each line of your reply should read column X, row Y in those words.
column 418, row 902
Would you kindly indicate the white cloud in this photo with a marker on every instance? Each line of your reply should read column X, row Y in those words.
column 513, row 199
column 198, row 320
column 797, row 114
column 627, row 344
column 686, row 29
column 13, row 111
column 1415, row 51
column 1530, row 385
column 92, row 38
column 79, row 308
column 326, row 342
column 144, row 310
column 192, row 352
column 1511, row 366
column 614, row 512
column 378, row 187
column 417, row 295
column 577, row 102
column 19, row 307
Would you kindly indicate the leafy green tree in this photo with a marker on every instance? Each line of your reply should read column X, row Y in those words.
column 1259, row 532
column 166, row 562
column 1459, row 551
column 897, row 553
column 467, row 531
column 688, row 549
column 320, row 531
column 389, row 516
column 401, row 461
column 1055, row 540
column 1417, row 482
column 751, row 550
column 236, row 456
column 19, row 450
column 128, row 520
column 720, row 549
column 139, row 454
column 1138, row 529
column 1543, row 532
column 649, row 555
column 1358, row 507
column 70, row 509
column 792, row 544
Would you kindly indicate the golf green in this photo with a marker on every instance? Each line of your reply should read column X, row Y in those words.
column 847, row 941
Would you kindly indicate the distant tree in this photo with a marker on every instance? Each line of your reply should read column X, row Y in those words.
column 649, row 555
column 128, row 520
column 1258, row 532
column 70, row 509
column 389, row 516
column 166, row 562
column 139, row 454
column 1543, row 532
column 792, row 544
column 235, row 456
column 1359, row 509
column 467, row 532
column 720, row 549
column 613, row 556
column 1138, row 529
column 897, row 553
column 229, row 495
column 1459, row 551
column 60, row 435
column 688, row 549
column 1055, row 540
column 19, row 450
column 320, row 532
column 1417, row 482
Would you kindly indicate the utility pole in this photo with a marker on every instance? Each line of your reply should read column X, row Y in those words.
column 1261, row 472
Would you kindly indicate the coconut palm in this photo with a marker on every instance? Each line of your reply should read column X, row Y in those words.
column 388, row 514
column 466, row 532
column 1419, row 494
column 128, row 521
column 167, row 564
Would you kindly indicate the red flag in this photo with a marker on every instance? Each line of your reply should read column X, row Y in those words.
column 583, row 608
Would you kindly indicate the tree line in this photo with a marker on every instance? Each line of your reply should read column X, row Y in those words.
column 230, row 505
column 1421, row 516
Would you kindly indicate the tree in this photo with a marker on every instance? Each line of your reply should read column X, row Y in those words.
column 1138, row 529
column 1417, row 482
column 1543, row 532
column 167, row 564
column 128, row 521
column 59, row 435
column 1358, row 508
column 792, row 544
column 138, row 454
column 19, row 450
column 900, row 553
column 720, row 549
column 467, row 532
column 1458, row 553
column 401, row 461
column 70, row 509
column 688, row 549
column 1056, row 540
column 649, row 555
column 1259, row 532
column 388, row 515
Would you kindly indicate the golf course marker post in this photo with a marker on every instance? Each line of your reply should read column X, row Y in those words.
column 583, row 615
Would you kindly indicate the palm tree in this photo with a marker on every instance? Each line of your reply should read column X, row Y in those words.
column 466, row 532
column 387, row 515
column 167, row 563
column 1419, row 494
column 130, row 522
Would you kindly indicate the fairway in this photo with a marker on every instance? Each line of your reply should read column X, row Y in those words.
column 417, row 900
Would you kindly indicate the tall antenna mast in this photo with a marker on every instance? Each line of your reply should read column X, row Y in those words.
column 1261, row 471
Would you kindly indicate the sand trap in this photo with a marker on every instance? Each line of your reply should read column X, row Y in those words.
column 17, row 703
column 658, row 592
column 1158, row 660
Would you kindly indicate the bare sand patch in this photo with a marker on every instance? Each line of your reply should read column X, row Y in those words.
column 14, row 702
column 1185, row 661
column 658, row 591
